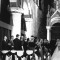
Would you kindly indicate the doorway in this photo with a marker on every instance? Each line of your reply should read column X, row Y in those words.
column 55, row 31
column 55, row 34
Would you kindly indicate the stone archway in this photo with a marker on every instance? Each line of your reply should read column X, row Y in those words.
column 54, row 34
column 54, row 22
column 55, row 28
column 55, row 31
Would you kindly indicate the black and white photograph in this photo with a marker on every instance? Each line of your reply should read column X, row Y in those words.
column 29, row 29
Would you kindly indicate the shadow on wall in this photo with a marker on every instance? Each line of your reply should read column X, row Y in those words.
column 5, row 11
column 42, row 26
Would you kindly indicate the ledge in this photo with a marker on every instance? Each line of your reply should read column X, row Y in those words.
column 4, row 25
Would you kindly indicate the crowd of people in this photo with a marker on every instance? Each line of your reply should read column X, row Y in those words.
column 20, row 43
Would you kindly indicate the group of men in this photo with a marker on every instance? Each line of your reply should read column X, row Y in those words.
column 15, row 44
column 23, row 43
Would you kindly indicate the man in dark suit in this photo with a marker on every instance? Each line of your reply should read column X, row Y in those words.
column 4, row 47
column 32, row 43
column 5, row 43
column 17, row 43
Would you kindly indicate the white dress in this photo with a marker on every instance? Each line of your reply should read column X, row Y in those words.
column 56, row 54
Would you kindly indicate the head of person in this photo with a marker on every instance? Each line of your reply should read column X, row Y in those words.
column 58, row 40
column 32, row 38
column 22, row 15
column 12, row 38
column 17, row 36
column 41, row 40
column 25, row 39
column 45, row 40
column 35, row 39
column 21, row 38
column 5, row 38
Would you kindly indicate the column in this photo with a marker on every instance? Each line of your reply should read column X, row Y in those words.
column 48, row 33
column 16, row 24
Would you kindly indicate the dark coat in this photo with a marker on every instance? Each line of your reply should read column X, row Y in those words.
column 4, row 45
column 17, row 44
column 31, row 45
column 25, row 44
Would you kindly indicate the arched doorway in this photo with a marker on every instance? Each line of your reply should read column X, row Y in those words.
column 55, row 34
column 55, row 31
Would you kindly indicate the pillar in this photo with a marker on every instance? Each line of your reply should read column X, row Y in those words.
column 16, row 24
column 48, row 33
